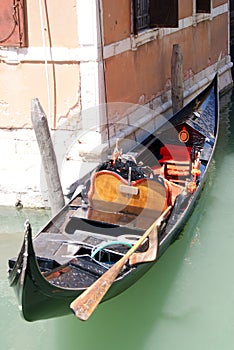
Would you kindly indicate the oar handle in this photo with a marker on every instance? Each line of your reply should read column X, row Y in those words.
column 84, row 305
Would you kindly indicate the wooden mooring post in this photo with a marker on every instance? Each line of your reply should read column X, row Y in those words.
column 48, row 156
column 177, row 93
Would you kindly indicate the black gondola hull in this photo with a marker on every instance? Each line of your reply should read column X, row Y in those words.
column 40, row 299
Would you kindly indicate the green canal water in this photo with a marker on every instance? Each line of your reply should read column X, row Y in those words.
column 186, row 301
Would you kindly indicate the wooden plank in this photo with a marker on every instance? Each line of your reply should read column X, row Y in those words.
column 126, row 189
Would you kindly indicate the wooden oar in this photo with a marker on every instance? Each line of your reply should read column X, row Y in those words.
column 85, row 304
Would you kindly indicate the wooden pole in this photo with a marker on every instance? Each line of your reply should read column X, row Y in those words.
column 177, row 78
column 48, row 156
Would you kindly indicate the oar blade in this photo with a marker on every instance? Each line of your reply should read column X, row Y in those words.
column 86, row 303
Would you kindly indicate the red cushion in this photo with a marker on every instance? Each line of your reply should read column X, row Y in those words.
column 174, row 152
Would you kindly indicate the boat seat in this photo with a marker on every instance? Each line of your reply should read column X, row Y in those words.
column 177, row 171
column 109, row 192
column 174, row 152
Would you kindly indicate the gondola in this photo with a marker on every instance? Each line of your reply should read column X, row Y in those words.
column 121, row 219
